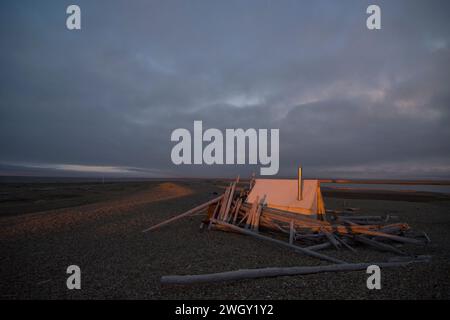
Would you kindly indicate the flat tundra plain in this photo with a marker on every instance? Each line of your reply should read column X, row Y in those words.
column 45, row 227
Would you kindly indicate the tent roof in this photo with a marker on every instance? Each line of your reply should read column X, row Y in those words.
column 282, row 193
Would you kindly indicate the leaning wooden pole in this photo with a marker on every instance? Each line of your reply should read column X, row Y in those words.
column 193, row 210
column 276, row 272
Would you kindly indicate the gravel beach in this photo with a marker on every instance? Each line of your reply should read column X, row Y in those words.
column 103, row 236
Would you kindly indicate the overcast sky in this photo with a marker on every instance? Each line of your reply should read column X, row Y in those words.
column 349, row 102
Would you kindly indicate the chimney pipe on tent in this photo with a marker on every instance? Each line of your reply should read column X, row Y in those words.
column 300, row 184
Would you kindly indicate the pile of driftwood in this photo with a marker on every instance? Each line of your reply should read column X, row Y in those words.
column 306, row 235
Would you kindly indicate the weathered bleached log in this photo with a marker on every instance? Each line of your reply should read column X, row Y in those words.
column 236, row 210
column 269, row 224
column 193, row 210
column 361, row 217
column 332, row 211
column 319, row 246
column 214, row 215
column 296, row 248
column 313, row 236
column 394, row 228
column 350, row 223
column 252, row 182
column 218, row 227
column 256, row 217
column 291, row 232
column 345, row 244
column 277, row 272
column 245, row 216
column 223, row 204
column 252, row 211
column 350, row 229
column 230, row 199
column 363, row 222
column 367, row 220
column 378, row 245
column 392, row 237
column 330, row 238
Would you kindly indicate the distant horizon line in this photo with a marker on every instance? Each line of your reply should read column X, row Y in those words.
column 322, row 180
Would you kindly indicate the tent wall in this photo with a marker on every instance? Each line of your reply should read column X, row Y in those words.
column 283, row 194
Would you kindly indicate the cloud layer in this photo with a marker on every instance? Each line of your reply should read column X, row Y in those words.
column 349, row 102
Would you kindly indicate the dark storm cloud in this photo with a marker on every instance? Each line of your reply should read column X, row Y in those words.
column 348, row 101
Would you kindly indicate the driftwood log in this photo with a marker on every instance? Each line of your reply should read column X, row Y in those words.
column 379, row 245
column 193, row 210
column 276, row 272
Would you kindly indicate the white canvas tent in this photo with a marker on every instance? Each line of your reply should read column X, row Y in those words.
column 283, row 194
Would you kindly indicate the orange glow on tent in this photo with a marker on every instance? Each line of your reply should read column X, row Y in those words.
column 282, row 194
